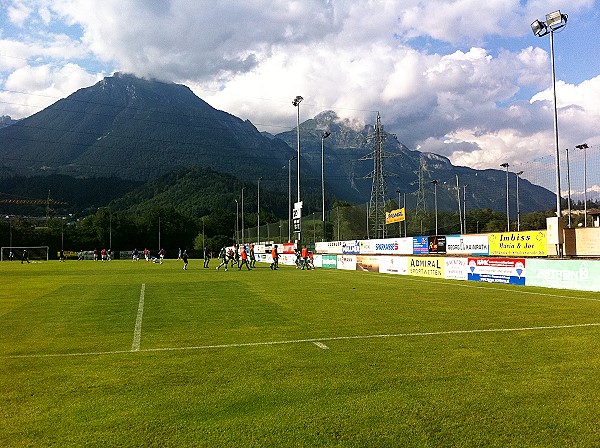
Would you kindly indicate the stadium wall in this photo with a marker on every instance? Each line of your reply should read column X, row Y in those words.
column 580, row 274
column 518, row 258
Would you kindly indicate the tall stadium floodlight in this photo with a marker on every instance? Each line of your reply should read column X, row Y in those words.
column 296, row 103
column 237, row 220
column 323, row 137
column 435, row 182
column 290, row 198
column 584, row 146
column 465, row 208
column 554, row 21
column 518, row 205
column 505, row 165
column 243, row 188
column 568, row 187
column 258, row 211
column 400, row 222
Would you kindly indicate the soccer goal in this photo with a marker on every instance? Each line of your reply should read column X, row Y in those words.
column 34, row 253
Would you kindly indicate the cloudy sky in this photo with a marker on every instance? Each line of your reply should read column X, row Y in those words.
column 463, row 78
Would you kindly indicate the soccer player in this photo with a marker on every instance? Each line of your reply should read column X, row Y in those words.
column 207, row 257
column 304, row 257
column 275, row 256
column 223, row 257
column 184, row 257
column 252, row 256
column 244, row 258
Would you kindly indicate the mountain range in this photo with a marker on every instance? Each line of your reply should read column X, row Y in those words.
column 141, row 130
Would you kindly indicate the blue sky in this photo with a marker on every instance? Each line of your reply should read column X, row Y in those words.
column 463, row 78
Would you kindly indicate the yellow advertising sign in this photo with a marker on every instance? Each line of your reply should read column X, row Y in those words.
column 426, row 266
column 394, row 216
column 519, row 244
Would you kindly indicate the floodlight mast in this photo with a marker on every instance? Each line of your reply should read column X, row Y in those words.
column 323, row 137
column 296, row 103
column 554, row 21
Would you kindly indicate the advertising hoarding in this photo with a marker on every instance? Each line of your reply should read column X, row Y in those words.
column 393, row 265
column 519, row 244
column 467, row 245
column 436, row 244
column 456, row 268
column 351, row 247
column 369, row 263
column 581, row 275
column 426, row 266
column 329, row 261
column 497, row 270
column 388, row 246
column 420, row 245
column 346, row 262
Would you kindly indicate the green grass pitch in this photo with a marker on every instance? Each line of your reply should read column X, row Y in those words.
column 138, row 354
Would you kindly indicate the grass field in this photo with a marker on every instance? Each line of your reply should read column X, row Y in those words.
column 137, row 354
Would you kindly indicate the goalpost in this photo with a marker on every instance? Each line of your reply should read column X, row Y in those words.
column 34, row 253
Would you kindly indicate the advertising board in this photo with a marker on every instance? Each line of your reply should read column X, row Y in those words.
column 519, row 244
column 497, row 270
column 369, row 263
column 467, row 245
column 329, row 261
column 426, row 266
column 420, row 245
column 393, row 265
column 583, row 275
column 388, row 246
column 436, row 244
column 456, row 268
column 346, row 262
column 351, row 247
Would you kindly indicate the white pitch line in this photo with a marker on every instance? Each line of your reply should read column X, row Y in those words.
column 313, row 341
column 137, row 334
column 320, row 345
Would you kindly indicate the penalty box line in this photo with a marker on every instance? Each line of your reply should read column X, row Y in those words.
column 317, row 341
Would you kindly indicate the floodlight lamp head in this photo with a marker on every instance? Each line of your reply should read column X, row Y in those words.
column 519, row 173
column 297, row 100
column 504, row 165
column 555, row 18
column 434, row 181
column 582, row 146
column 326, row 134
column 539, row 28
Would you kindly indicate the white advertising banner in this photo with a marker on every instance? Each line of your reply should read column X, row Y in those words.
column 346, row 262
column 467, row 244
column 393, row 265
column 456, row 268
column 388, row 246
column 318, row 261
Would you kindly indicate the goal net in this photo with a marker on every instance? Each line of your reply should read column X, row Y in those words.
column 34, row 253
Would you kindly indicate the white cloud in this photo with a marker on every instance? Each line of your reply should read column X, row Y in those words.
column 29, row 89
column 18, row 12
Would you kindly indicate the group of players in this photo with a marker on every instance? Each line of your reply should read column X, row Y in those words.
column 242, row 255
column 238, row 255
